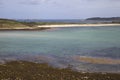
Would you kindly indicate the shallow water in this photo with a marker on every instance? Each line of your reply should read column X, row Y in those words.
column 60, row 46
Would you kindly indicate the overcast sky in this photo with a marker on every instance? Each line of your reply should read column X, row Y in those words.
column 58, row 9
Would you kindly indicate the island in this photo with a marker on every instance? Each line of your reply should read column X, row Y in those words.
column 12, row 24
column 105, row 18
column 113, row 20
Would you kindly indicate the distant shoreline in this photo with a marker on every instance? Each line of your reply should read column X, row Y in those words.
column 49, row 26
column 25, row 29
column 77, row 25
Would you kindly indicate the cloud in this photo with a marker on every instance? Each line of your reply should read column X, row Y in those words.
column 55, row 2
column 35, row 2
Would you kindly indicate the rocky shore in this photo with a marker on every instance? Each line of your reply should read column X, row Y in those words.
column 22, row 70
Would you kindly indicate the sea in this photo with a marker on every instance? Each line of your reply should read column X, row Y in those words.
column 87, row 49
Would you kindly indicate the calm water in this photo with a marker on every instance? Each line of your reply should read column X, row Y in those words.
column 59, row 46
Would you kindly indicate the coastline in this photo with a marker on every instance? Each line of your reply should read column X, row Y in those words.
column 33, row 71
column 97, row 60
column 49, row 26
column 23, row 70
column 25, row 29
column 77, row 25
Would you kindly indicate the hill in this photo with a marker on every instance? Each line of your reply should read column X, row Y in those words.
column 8, row 24
column 11, row 24
column 105, row 19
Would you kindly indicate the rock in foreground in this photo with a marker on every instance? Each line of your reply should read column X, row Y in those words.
column 22, row 70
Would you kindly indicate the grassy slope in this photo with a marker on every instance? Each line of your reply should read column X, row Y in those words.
column 7, row 24
column 11, row 24
column 33, row 71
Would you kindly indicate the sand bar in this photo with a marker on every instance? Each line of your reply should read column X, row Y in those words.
column 97, row 60
column 78, row 25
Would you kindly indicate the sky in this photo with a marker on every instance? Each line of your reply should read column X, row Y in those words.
column 58, row 9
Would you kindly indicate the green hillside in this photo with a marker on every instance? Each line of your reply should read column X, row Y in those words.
column 11, row 24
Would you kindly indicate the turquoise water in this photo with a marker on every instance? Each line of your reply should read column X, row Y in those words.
column 58, row 46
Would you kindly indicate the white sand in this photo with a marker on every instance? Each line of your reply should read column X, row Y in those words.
column 78, row 25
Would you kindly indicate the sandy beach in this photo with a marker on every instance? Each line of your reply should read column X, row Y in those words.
column 49, row 26
column 77, row 25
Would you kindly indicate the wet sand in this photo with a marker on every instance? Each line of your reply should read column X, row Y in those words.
column 96, row 60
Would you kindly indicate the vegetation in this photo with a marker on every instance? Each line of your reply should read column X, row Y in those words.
column 105, row 19
column 116, row 22
column 21, row 25
column 8, row 24
column 22, row 70
column 11, row 24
